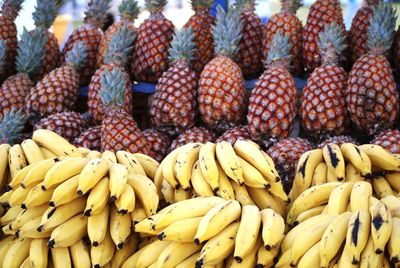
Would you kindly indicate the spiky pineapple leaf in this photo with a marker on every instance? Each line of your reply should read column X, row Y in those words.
column 12, row 126
column 121, row 45
column 45, row 13
column 182, row 45
column 77, row 56
column 129, row 9
column 113, row 86
column 155, row 5
column 291, row 6
column 279, row 48
column 332, row 41
column 11, row 8
column 198, row 5
column 96, row 12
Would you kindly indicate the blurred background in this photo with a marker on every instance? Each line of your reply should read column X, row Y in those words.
column 72, row 13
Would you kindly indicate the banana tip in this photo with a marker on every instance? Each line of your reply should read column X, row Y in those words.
column 238, row 259
column 40, row 228
column 79, row 192
column 23, row 206
column 95, row 243
column 87, row 212
column 199, row 263
column 51, row 243
column 197, row 241
column 43, row 188
column 51, row 204
column 120, row 245
column 161, row 236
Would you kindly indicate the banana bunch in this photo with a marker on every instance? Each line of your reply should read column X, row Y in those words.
column 241, row 172
column 209, row 231
column 350, row 163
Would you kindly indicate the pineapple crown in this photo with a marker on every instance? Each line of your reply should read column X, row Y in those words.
column 113, row 86
column 279, row 49
column 291, row 6
column 155, row 6
column 245, row 5
column 331, row 43
column 11, row 8
column 201, row 5
column 182, row 45
column 129, row 9
column 371, row 2
column 382, row 28
column 96, row 12
column 227, row 31
column 3, row 55
column 12, row 126
column 45, row 13
column 121, row 45
column 31, row 50
column 77, row 56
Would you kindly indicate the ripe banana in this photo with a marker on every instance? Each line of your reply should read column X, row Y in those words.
column 394, row 242
column 118, row 179
column 149, row 164
column 109, row 156
column 37, row 196
column 180, row 194
column 120, row 256
column 25, row 215
column 305, row 215
column 229, row 161
column 273, row 228
column 175, row 253
column 339, row 198
column 357, row 234
column 369, row 258
column 16, row 159
column 55, row 143
column 38, row 253
column 381, row 187
column 185, row 159
column 61, row 258
column 65, row 192
column 4, row 148
column 225, row 188
column 69, row 232
column 120, row 227
column 277, row 190
column 357, row 157
column 190, row 262
column 91, row 174
column 32, row 151
column 393, row 203
column 263, row 199
column 352, row 174
column 131, row 162
column 199, row 183
column 138, row 214
column 305, row 169
column 29, row 230
column 266, row 258
column 181, row 231
column 167, row 192
column 126, row 202
column 84, row 151
column 381, row 226
column 97, row 198
column 146, row 191
column 359, row 198
column 147, row 255
column 241, row 194
column 80, row 255
column 284, row 260
column 168, row 165
column 334, row 160
column 47, row 154
column 97, row 226
column 103, row 253
column 247, row 233
column 18, row 196
column 10, row 215
column 319, row 175
column 311, row 257
column 394, row 180
column 252, row 177
column 93, row 155
column 5, row 244
column 37, row 174
column 380, row 157
column 208, row 165
column 5, row 197
column 19, row 177
column 17, row 253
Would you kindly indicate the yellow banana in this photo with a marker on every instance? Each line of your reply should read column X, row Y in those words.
column 30, row 230
column 394, row 180
column 5, row 197
column 393, row 203
column 284, row 260
column 146, row 191
column 180, row 194
column 55, row 143
column 32, row 151
column 25, row 215
column 65, row 192
column 229, row 161
column 138, row 214
column 16, row 159
column 273, row 228
column 17, row 253
column 120, row 256
column 263, row 199
column 37, row 196
column 47, row 154
column 97, row 198
column 18, row 196
column 253, row 177
column 340, row 198
column 394, row 242
column 149, row 164
column 97, row 226
column 381, row 226
column 381, row 187
column 103, row 253
column 80, row 255
column 167, row 192
column 199, row 183
column 91, row 174
column 305, row 215
column 5, row 244
column 61, row 258
column 20, row 175
column 319, row 175
column 310, row 258
column 4, row 148
column 208, row 165
column 187, row 155
column 37, row 173
column 225, row 188
column 357, row 157
column 168, row 165
column 190, row 262
column 131, row 162
column 120, row 227
column 277, row 190
column 38, row 253
column 93, row 155
column 181, row 231
column 10, row 215
column 266, row 258
column 84, row 151
column 126, row 202
column 359, row 198
column 352, row 174
column 109, row 156
column 357, row 234
column 369, row 258
column 380, row 157
column 241, row 194
column 250, row 260
column 175, row 253
column 147, row 255
column 118, row 179
column 334, row 160
column 69, row 232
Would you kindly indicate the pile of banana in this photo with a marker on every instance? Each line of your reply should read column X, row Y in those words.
column 350, row 163
column 208, row 232
column 242, row 172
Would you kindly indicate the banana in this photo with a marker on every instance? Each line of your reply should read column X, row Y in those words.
column 37, row 174
column 97, row 198
column 181, row 231
column 220, row 216
column 319, row 175
column 120, row 227
column 47, row 154
column 381, row 226
column 394, row 242
column 138, row 214
column 241, row 194
column 266, row 258
column 394, row 180
column 386, row 263
column 359, row 198
column 93, row 154
column 340, row 198
column 146, row 191
column 393, row 203
column 380, row 157
column 208, row 165
column 190, row 262
column 251, row 153
column 270, row 163
column 103, row 253
column 309, row 213
column 250, row 260
column 312, row 197
column 84, row 151
column 53, row 217
column 80, row 255
column 20, row 175
column 16, row 159
column 284, row 260
column 352, row 174
column 273, row 228
column 369, row 258
column 65, row 192
column 91, row 174
column 149, row 164
column 381, row 187
column 185, row 159
column 109, row 156
column 199, row 183
column 263, row 199
column 5, row 244
column 180, row 195
column 305, row 169
column 4, row 148
column 331, row 177
column 229, row 162
column 332, row 239
column 277, row 190
column 252, row 177
column 26, row 263
column 29, row 230
column 247, row 233
column 357, row 234
column 62, row 171
column 38, row 253
column 147, row 255
column 97, row 227
column 219, row 247
column 131, row 162
column 61, row 258
column 17, row 253
column 118, row 180
column 32, row 151
column 175, row 253
column 18, row 196
column 10, row 215
column 167, row 192
column 69, row 232
column 25, row 215
column 126, row 202
column 55, row 143
column 334, row 160
column 5, row 197
column 225, row 188
column 37, row 196
column 168, row 165
column 120, row 256
column 357, row 157
column 310, row 258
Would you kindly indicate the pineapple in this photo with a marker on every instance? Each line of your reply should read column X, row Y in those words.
column 3, row 59
column 201, row 23
column 234, row 134
column 58, row 90
column 287, row 22
column 396, row 52
column 67, row 124
column 90, row 138
column 286, row 153
column 272, row 105
column 119, row 131
column 338, row 140
column 128, row 11
column 8, row 33
column 249, row 55
column 28, row 63
column 221, row 92
column 359, row 29
column 372, row 97
column 117, row 56
column 44, row 16
column 323, row 103
column 388, row 139
column 174, row 105
column 158, row 143
column 90, row 33
column 196, row 134
column 321, row 12
column 11, row 126
column 150, row 57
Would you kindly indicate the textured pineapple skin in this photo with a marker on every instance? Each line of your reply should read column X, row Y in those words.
column 323, row 103
column 158, row 143
column 150, row 57
column 95, row 105
column 51, row 56
column 13, row 92
column 174, row 105
column 196, row 134
column 338, row 140
column 91, row 36
column 8, row 32
column 234, row 134
column 388, row 139
column 372, row 98
column 90, row 138
column 290, row 25
column 221, row 94
column 272, row 105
